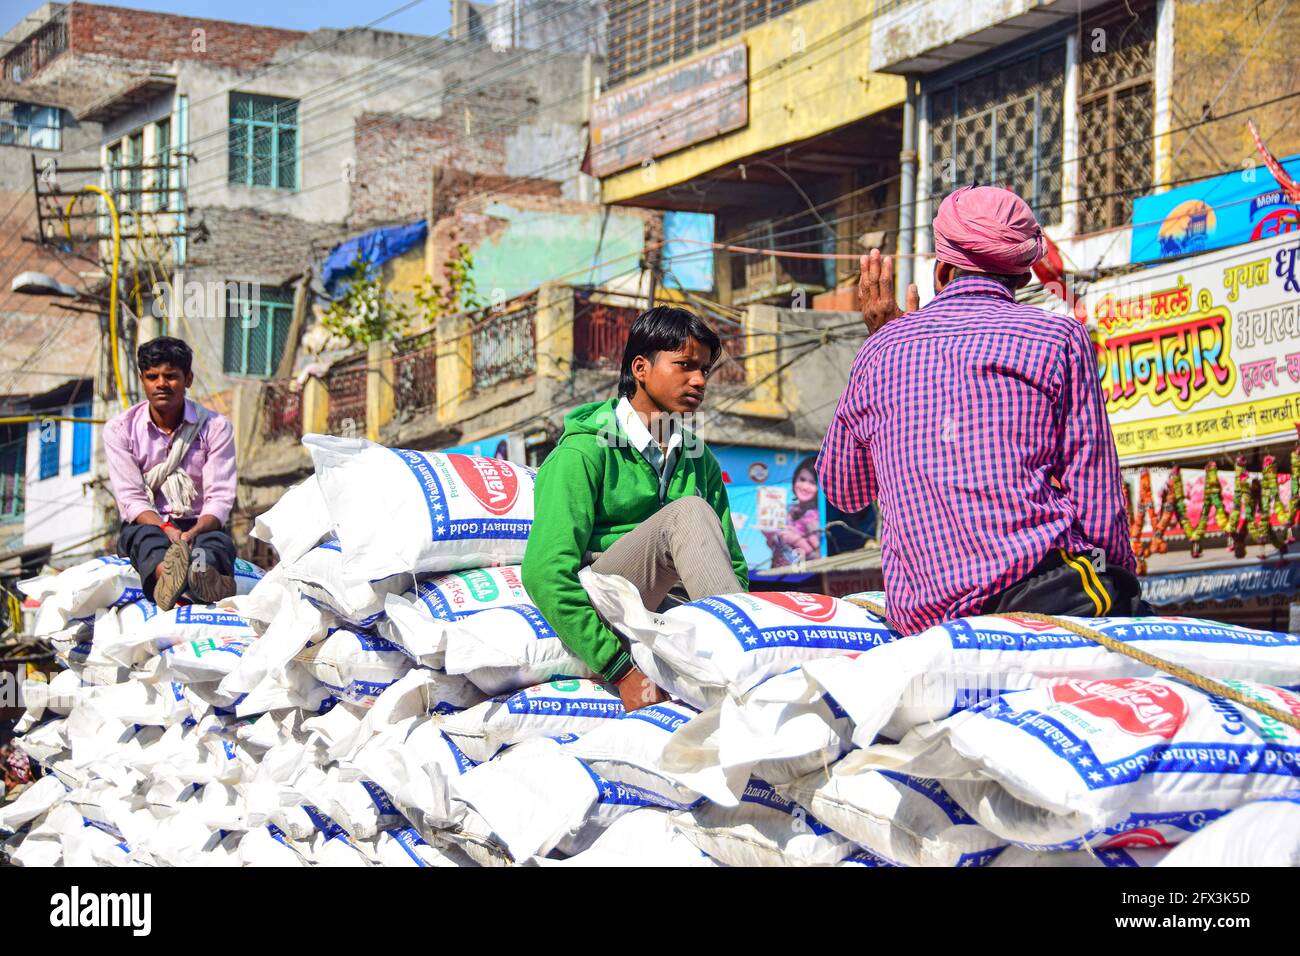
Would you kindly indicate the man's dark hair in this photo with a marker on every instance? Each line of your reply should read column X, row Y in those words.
column 164, row 350
column 663, row 329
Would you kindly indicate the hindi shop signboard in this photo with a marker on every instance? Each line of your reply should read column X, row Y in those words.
column 688, row 104
column 1201, row 356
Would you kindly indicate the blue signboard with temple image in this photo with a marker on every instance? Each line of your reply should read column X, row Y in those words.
column 1222, row 211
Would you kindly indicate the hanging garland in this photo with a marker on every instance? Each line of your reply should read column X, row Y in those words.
column 1257, row 502
column 1161, row 519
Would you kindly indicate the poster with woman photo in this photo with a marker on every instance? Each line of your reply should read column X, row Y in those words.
column 776, row 504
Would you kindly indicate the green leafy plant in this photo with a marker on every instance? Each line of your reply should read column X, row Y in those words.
column 459, row 294
column 366, row 312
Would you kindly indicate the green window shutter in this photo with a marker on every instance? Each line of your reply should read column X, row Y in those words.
column 263, row 141
column 287, row 159
column 162, row 142
column 238, row 154
column 255, row 347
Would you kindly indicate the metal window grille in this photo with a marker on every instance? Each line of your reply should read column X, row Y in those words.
column 729, row 369
column 281, row 410
column 162, row 177
column 346, row 385
column 1116, row 115
column 48, row 437
column 256, row 330
column 35, row 53
column 600, row 334
column 645, row 34
column 1005, row 126
column 415, row 369
column 503, row 345
column 263, row 141
column 13, row 476
column 25, row 124
column 134, row 172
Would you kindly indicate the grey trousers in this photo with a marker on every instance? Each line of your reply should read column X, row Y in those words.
column 683, row 544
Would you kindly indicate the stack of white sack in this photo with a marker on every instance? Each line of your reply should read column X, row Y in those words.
column 389, row 695
column 819, row 731
column 365, row 704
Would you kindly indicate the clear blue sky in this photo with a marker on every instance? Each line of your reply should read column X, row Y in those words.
column 426, row 16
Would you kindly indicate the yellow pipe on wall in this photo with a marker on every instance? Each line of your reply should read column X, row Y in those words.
column 112, row 289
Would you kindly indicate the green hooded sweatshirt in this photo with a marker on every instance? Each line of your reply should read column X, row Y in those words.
column 592, row 489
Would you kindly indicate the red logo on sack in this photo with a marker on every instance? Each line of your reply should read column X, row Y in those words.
column 1031, row 623
column 1135, row 706
column 818, row 608
column 1140, row 839
column 494, row 482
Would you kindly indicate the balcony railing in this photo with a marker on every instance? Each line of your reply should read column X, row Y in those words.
column 600, row 332
column 415, row 383
column 346, row 385
column 729, row 369
column 504, row 344
column 281, row 410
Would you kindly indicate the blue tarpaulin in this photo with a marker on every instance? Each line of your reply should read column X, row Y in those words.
column 377, row 245
column 1250, row 580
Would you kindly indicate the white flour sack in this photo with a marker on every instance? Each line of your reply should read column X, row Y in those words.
column 764, row 829
column 547, row 710
column 527, row 800
column 418, row 618
column 1067, row 762
column 706, row 648
column 954, row 665
column 319, row 577
column 356, row 666
column 449, row 597
column 630, row 750
column 80, row 591
column 505, row 648
column 641, row 837
column 296, row 523
column 1263, row 833
column 396, row 510
column 197, row 662
column 905, row 820
column 137, row 631
column 782, row 729
column 247, row 575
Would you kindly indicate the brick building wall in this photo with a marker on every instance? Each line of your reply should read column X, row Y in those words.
column 162, row 37
column 395, row 153
column 44, row 345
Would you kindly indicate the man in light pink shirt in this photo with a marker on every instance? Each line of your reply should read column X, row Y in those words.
column 172, row 467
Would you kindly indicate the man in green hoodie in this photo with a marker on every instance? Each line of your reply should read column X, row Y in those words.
column 630, row 491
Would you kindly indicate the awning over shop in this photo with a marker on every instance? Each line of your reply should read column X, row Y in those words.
column 1241, row 579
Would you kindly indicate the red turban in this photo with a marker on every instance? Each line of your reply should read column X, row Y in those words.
column 987, row 229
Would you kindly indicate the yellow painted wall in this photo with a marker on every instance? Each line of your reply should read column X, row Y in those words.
column 823, row 87
column 405, row 273
column 1234, row 54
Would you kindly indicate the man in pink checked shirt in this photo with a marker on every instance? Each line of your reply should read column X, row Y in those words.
column 171, row 463
column 978, row 427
